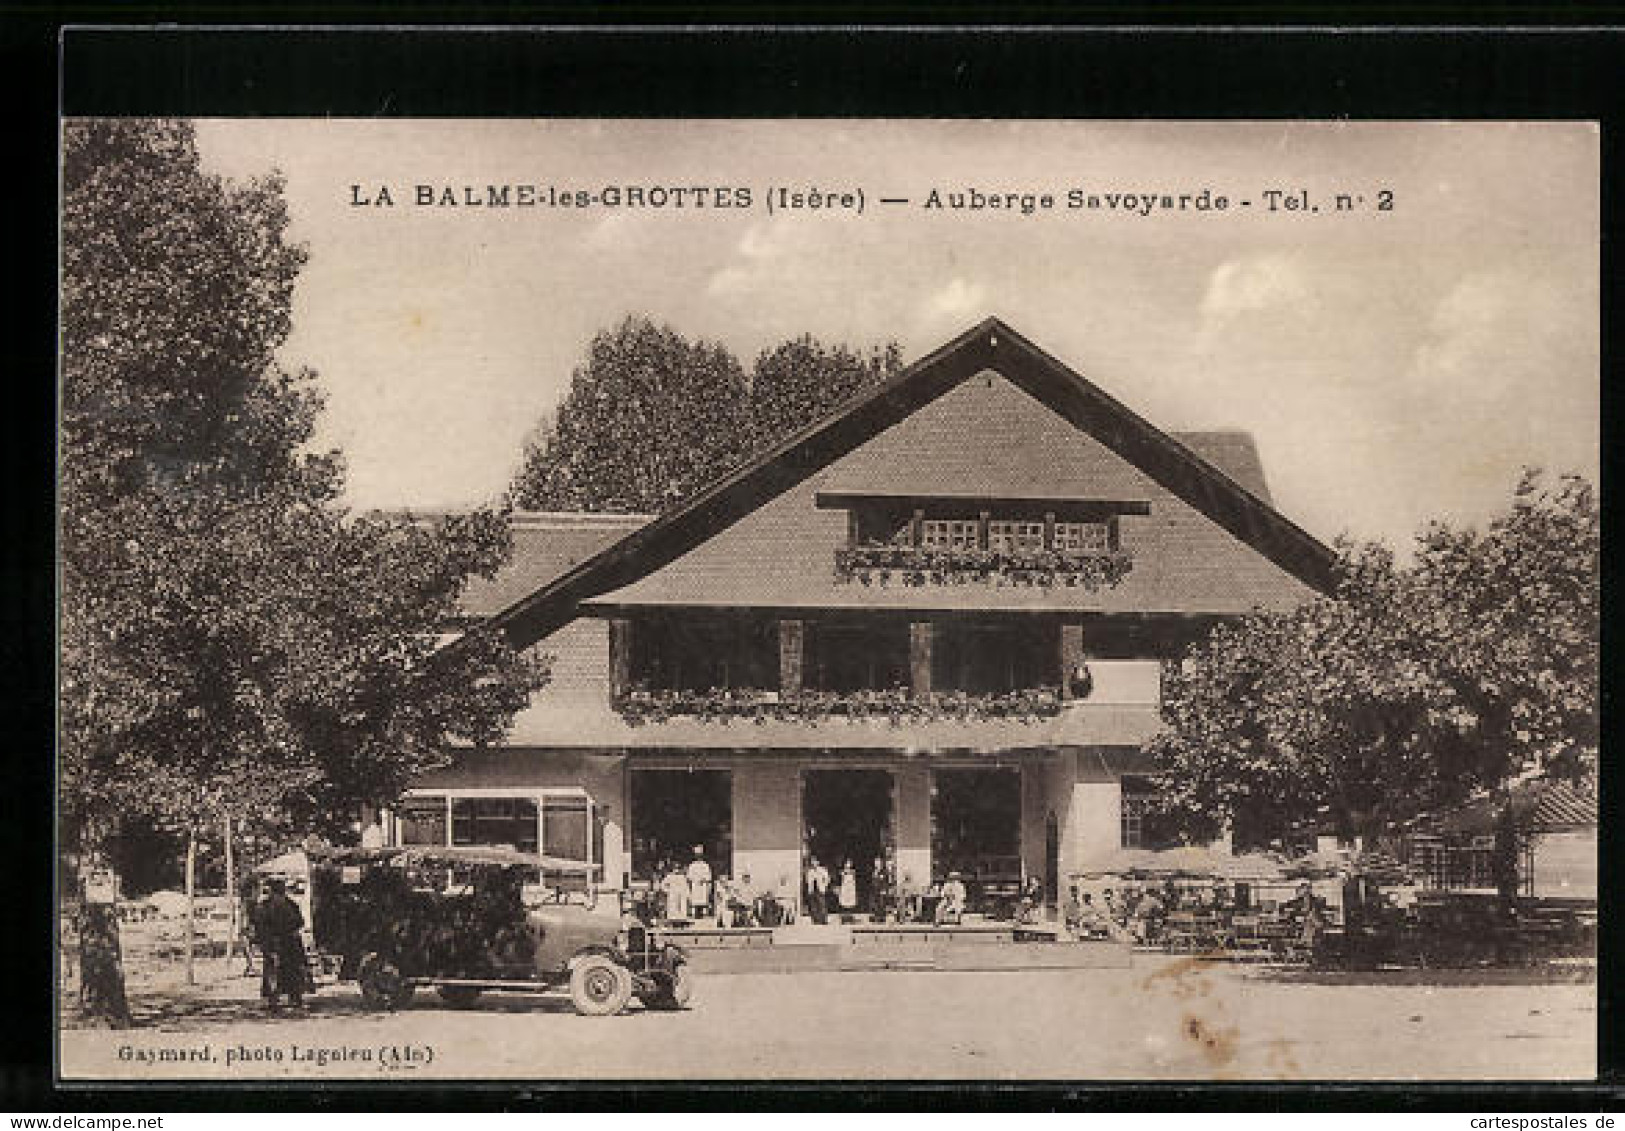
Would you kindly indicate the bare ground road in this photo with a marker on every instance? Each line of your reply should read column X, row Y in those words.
column 1164, row 1018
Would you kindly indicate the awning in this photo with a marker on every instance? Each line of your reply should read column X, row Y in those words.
column 1188, row 861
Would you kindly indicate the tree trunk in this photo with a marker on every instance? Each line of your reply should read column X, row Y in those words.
column 1505, row 857
column 231, row 893
column 191, row 909
column 101, row 963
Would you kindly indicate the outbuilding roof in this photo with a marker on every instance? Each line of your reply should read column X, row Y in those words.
column 1537, row 807
column 546, row 545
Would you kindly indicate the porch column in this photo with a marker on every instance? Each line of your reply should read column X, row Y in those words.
column 620, row 657
column 911, row 794
column 919, row 657
column 792, row 637
column 1071, row 656
column 1095, row 824
column 766, row 801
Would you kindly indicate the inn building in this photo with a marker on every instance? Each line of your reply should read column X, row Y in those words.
column 930, row 628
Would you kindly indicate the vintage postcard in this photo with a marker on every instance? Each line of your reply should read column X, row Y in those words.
column 576, row 599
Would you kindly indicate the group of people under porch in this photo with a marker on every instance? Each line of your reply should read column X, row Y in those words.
column 693, row 893
column 1139, row 913
column 886, row 899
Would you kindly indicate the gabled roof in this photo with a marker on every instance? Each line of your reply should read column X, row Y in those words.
column 547, row 544
column 990, row 345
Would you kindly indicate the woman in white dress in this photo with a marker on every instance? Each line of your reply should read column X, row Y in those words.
column 848, row 893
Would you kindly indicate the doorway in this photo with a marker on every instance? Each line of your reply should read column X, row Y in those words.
column 675, row 811
column 976, row 828
column 847, row 815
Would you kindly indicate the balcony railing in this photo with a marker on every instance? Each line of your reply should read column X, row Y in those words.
column 879, row 563
column 896, row 706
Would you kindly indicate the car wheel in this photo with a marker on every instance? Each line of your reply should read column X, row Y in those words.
column 382, row 986
column 600, row 986
column 676, row 989
column 458, row 997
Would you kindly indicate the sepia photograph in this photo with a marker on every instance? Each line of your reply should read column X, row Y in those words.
column 581, row 599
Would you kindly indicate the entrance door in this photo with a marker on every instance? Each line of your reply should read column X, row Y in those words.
column 847, row 815
column 674, row 811
column 976, row 831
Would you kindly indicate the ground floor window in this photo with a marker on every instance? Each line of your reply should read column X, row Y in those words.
column 509, row 821
column 568, row 830
column 1139, row 823
column 672, row 811
column 976, row 827
column 422, row 820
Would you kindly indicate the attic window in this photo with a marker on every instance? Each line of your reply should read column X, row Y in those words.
column 1082, row 537
column 949, row 534
column 1007, row 536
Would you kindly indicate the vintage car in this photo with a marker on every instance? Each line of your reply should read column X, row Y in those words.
column 465, row 920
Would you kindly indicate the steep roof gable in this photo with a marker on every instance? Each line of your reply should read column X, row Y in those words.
column 990, row 345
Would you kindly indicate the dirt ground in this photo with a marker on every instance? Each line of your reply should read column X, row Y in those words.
column 1165, row 1018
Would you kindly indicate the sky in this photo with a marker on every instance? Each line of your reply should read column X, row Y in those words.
column 1394, row 365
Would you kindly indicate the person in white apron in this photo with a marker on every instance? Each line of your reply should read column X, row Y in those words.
column 699, row 884
column 676, row 889
column 848, row 894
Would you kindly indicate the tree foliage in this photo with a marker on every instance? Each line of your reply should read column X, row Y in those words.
column 232, row 641
column 802, row 380
column 652, row 419
column 649, row 420
column 1412, row 688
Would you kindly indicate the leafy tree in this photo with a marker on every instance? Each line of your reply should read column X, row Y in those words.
column 650, row 420
column 1412, row 688
column 232, row 642
column 802, row 380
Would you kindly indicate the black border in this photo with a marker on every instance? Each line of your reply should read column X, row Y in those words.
column 1147, row 72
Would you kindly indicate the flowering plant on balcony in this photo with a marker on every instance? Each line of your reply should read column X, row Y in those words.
column 879, row 563
column 896, row 705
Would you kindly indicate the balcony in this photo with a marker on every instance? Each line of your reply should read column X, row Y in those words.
column 959, row 681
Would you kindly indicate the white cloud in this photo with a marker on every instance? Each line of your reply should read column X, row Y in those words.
column 1489, row 325
column 1263, row 284
column 767, row 251
column 957, row 300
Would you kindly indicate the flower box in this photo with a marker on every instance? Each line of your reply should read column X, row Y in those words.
column 884, row 563
column 896, row 706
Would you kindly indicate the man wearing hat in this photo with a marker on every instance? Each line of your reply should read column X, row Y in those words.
column 277, row 922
